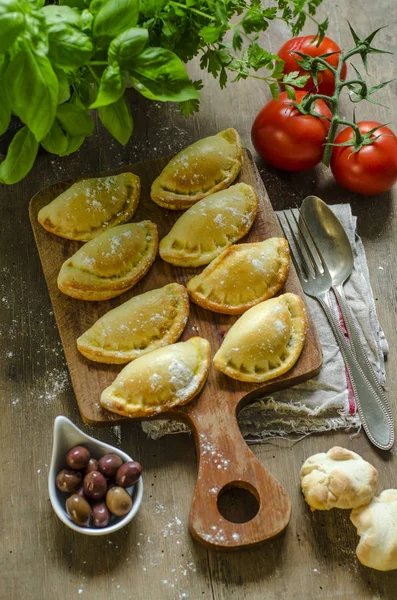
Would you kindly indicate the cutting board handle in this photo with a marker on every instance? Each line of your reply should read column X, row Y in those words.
column 226, row 462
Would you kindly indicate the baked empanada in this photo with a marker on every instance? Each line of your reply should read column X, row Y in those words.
column 91, row 206
column 140, row 325
column 209, row 165
column 265, row 342
column 210, row 226
column 111, row 263
column 242, row 276
column 159, row 380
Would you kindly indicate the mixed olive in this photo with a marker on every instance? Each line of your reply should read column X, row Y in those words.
column 97, row 487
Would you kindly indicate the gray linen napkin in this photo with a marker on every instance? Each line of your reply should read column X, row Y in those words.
column 325, row 402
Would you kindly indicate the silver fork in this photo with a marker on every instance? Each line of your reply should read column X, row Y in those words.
column 316, row 281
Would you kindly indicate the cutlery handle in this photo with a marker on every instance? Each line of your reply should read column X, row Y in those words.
column 358, row 349
column 377, row 422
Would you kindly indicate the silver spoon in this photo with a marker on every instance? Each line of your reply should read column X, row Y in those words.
column 335, row 247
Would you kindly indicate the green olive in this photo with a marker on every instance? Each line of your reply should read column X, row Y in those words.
column 118, row 501
column 78, row 510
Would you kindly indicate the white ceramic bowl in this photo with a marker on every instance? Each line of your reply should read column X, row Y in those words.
column 67, row 435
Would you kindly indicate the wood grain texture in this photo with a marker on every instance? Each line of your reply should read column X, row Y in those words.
column 156, row 557
column 224, row 460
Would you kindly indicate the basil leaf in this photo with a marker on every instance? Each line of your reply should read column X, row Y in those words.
column 111, row 87
column 75, row 120
column 86, row 20
column 68, row 47
column 56, row 140
column 20, row 157
column 54, row 15
column 36, row 34
column 86, row 91
column 79, row 4
column 158, row 74
column 117, row 119
column 12, row 23
column 32, row 89
column 64, row 86
column 5, row 110
column 74, row 143
column 127, row 45
column 114, row 17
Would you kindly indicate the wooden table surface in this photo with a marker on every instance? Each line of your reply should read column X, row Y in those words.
column 155, row 557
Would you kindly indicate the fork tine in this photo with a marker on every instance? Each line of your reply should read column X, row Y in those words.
column 304, row 266
column 298, row 268
column 312, row 240
column 306, row 245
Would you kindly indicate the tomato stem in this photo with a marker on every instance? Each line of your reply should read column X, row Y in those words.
column 307, row 104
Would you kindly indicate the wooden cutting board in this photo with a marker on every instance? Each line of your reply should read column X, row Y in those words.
column 225, row 460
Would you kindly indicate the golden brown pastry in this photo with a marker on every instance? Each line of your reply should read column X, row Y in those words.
column 140, row 325
column 242, row 276
column 111, row 263
column 377, row 525
column 210, row 226
column 159, row 380
column 209, row 165
column 265, row 342
column 337, row 479
column 91, row 206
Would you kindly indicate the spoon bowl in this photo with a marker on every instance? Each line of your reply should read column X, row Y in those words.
column 330, row 237
column 67, row 435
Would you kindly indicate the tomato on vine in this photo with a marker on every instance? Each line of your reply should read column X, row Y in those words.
column 371, row 169
column 287, row 139
column 308, row 45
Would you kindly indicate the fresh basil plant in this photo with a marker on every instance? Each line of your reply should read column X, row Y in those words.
column 58, row 62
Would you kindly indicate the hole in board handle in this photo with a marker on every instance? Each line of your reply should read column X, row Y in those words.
column 238, row 502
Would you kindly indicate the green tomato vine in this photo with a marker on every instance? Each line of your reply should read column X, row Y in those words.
column 359, row 90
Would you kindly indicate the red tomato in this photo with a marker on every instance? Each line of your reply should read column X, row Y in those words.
column 371, row 170
column 306, row 45
column 287, row 139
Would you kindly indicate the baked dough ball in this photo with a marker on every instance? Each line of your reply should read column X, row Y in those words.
column 377, row 527
column 337, row 479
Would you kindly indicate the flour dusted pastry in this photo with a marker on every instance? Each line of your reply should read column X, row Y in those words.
column 111, row 263
column 209, row 165
column 337, row 479
column 377, row 527
column 210, row 226
column 91, row 206
column 159, row 380
column 242, row 276
column 265, row 342
column 144, row 323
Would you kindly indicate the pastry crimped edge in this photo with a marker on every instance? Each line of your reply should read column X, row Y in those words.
column 299, row 307
column 97, row 354
column 111, row 289
column 119, row 407
column 183, row 201
column 240, row 308
column 179, row 260
column 132, row 204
